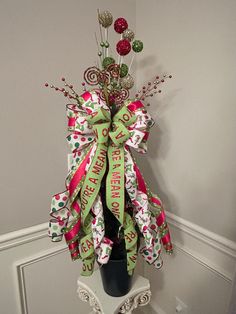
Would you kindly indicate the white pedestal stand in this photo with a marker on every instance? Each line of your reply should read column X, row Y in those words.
column 90, row 290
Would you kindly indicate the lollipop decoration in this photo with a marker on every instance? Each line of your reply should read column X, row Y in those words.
column 123, row 70
column 137, row 46
column 107, row 61
column 127, row 82
column 104, row 125
column 128, row 34
column 113, row 79
column 123, row 47
column 120, row 25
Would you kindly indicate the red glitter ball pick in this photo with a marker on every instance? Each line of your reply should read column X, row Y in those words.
column 120, row 25
column 123, row 47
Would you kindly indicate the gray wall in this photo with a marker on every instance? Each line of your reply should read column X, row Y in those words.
column 191, row 160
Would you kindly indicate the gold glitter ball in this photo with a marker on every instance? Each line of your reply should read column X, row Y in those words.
column 128, row 34
column 127, row 82
column 105, row 18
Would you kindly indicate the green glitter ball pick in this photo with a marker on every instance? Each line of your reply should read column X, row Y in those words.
column 124, row 70
column 107, row 61
column 137, row 46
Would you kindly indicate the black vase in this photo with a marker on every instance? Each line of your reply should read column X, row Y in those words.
column 115, row 278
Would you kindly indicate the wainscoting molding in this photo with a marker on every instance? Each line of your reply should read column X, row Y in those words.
column 211, row 250
column 20, row 266
column 204, row 252
column 22, row 236
column 20, row 249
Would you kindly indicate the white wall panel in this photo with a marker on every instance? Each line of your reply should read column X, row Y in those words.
column 33, row 271
column 200, row 289
column 200, row 272
column 50, row 286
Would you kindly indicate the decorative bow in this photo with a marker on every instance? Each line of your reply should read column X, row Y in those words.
column 95, row 138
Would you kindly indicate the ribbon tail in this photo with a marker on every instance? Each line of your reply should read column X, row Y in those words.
column 115, row 191
column 131, row 238
column 150, row 222
column 102, row 244
column 88, row 194
column 156, row 203
column 72, row 232
column 92, row 182
column 59, row 216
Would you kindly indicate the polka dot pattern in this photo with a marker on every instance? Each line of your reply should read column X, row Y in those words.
column 55, row 230
column 78, row 142
column 58, row 204
column 150, row 254
column 158, row 263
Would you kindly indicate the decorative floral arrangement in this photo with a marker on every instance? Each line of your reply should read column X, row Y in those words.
column 104, row 124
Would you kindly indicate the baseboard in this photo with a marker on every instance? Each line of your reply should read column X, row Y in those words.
column 19, row 267
column 215, row 240
column 156, row 309
column 151, row 308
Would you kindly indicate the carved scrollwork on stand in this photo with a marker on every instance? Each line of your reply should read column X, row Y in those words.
column 127, row 307
column 130, row 304
column 85, row 296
